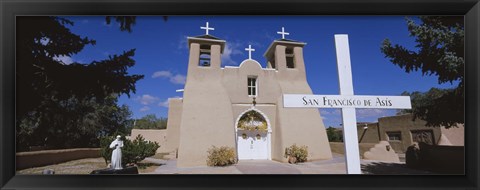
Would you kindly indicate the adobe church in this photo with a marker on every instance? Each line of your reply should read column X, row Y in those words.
column 242, row 107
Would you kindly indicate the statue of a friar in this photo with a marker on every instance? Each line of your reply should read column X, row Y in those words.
column 117, row 144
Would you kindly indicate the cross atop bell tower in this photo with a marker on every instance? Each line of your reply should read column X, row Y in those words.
column 206, row 28
column 283, row 33
column 205, row 50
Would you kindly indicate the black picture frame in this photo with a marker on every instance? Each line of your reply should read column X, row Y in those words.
column 10, row 9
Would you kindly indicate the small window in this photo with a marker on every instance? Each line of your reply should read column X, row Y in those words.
column 290, row 58
column 252, row 86
column 204, row 56
column 394, row 136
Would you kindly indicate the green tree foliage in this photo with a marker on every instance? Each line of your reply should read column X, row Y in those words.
column 440, row 52
column 132, row 151
column 66, row 105
column 73, row 124
column 151, row 121
column 334, row 135
column 126, row 22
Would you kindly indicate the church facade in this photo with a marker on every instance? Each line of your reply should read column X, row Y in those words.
column 242, row 107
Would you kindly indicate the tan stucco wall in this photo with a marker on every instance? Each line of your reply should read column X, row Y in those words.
column 404, row 124
column 382, row 152
column 369, row 135
column 207, row 118
column 215, row 97
column 174, row 119
column 455, row 135
column 297, row 125
column 153, row 135
column 339, row 147
column 49, row 157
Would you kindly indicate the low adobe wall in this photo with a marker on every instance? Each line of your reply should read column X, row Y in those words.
column 48, row 157
column 339, row 147
column 153, row 135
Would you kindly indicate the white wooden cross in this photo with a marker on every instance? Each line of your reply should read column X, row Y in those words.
column 283, row 33
column 206, row 28
column 249, row 49
column 347, row 101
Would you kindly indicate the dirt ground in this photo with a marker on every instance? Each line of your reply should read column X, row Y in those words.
column 85, row 166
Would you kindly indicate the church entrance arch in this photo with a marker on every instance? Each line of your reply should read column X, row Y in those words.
column 253, row 136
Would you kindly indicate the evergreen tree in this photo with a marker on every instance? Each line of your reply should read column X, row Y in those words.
column 440, row 51
column 66, row 105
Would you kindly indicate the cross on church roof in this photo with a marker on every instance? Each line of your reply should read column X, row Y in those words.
column 283, row 33
column 206, row 28
column 249, row 49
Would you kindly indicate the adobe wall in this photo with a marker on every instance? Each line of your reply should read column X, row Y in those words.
column 48, row 157
column 235, row 80
column 404, row 124
column 153, row 135
column 207, row 118
column 455, row 135
column 175, row 106
column 381, row 152
column 369, row 135
column 214, row 98
column 339, row 147
column 296, row 125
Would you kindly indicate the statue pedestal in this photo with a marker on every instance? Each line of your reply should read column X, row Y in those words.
column 127, row 170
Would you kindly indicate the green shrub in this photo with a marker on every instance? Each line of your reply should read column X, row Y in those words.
column 296, row 154
column 132, row 151
column 105, row 150
column 221, row 156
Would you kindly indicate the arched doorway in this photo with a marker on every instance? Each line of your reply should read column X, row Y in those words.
column 253, row 135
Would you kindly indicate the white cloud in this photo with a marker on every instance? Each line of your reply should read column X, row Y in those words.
column 144, row 108
column 268, row 35
column 175, row 79
column 146, row 99
column 182, row 44
column 158, row 74
column 64, row 59
column 231, row 49
column 178, row 79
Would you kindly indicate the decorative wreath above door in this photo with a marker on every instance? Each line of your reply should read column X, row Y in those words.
column 252, row 120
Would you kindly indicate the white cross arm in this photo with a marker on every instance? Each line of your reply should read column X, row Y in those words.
column 345, row 101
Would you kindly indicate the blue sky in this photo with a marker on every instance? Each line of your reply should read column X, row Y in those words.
column 162, row 54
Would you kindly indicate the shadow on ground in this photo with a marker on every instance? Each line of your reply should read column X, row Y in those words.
column 148, row 164
column 390, row 169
